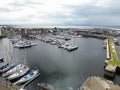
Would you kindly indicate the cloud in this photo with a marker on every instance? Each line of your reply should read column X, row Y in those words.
column 60, row 12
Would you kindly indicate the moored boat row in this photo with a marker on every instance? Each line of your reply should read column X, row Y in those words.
column 60, row 43
column 13, row 70
column 24, row 44
column 18, row 72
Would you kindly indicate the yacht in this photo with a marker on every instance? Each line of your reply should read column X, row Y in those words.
column 19, row 73
column 13, row 70
column 31, row 74
column 7, row 67
column 22, row 44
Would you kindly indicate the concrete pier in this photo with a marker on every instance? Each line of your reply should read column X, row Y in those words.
column 98, row 83
column 45, row 86
column 110, row 69
column 108, row 50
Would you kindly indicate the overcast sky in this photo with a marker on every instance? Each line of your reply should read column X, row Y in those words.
column 60, row 12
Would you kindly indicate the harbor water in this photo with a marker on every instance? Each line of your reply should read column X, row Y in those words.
column 62, row 69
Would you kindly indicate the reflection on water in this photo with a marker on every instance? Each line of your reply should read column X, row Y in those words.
column 64, row 70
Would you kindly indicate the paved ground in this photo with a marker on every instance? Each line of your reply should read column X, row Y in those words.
column 3, row 88
column 97, row 83
column 118, row 48
column 5, row 85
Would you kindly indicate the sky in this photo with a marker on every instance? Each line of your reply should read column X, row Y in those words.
column 60, row 12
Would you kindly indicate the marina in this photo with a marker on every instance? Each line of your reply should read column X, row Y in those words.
column 65, row 72
column 61, row 59
column 60, row 45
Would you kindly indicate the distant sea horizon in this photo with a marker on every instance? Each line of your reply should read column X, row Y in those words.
column 62, row 26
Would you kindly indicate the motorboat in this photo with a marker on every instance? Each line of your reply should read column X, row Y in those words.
column 72, row 47
column 14, row 40
column 53, row 43
column 31, row 74
column 1, row 60
column 7, row 67
column 4, row 66
column 23, row 44
column 104, row 46
column 13, row 70
column 69, row 47
column 19, row 73
column 33, row 44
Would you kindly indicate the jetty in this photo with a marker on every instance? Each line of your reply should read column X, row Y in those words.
column 108, row 50
column 112, row 59
column 98, row 83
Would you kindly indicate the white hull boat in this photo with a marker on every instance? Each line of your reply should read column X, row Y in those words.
column 19, row 73
column 13, row 70
column 8, row 67
column 31, row 74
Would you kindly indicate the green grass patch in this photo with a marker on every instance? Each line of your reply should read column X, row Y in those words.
column 114, row 62
column 114, row 59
